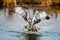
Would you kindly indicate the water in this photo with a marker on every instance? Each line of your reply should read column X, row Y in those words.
column 12, row 28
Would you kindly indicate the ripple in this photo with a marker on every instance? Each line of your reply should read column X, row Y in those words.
column 46, row 33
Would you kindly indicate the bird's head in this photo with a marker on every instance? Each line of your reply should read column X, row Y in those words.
column 29, row 20
column 36, row 12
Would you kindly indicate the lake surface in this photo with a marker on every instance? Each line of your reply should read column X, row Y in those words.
column 12, row 28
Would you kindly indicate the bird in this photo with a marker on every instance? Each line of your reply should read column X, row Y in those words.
column 31, row 21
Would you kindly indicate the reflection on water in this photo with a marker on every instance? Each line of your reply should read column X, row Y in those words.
column 12, row 27
column 31, row 37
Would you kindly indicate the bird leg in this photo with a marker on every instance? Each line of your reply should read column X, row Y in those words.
column 30, row 27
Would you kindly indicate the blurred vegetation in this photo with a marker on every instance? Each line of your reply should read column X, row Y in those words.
column 1, row 4
column 43, row 2
column 52, row 6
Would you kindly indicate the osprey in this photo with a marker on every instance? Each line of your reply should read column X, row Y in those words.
column 31, row 21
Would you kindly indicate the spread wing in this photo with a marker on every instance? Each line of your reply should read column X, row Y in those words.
column 36, row 19
column 23, row 13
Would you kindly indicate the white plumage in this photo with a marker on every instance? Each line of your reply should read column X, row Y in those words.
column 19, row 10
